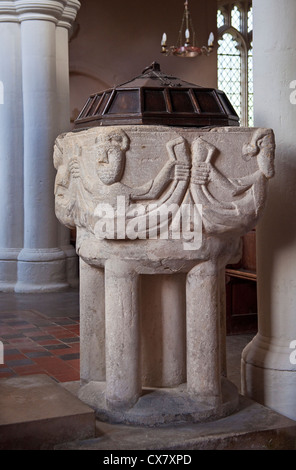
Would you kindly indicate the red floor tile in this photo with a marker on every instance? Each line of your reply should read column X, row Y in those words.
column 75, row 363
column 21, row 345
column 75, row 347
column 6, row 330
column 30, row 348
column 22, row 340
column 75, row 329
column 33, row 334
column 65, row 334
column 68, row 376
column 13, row 357
column 6, row 374
column 60, row 352
column 31, row 337
column 48, row 342
column 28, row 369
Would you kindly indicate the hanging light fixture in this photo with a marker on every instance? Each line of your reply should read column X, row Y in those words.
column 189, row 49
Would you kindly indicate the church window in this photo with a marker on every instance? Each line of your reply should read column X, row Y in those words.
column 235, row 58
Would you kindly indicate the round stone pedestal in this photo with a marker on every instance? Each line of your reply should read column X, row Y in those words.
column 161, row 406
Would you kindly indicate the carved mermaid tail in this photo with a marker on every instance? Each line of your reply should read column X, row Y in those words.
column 220, row 216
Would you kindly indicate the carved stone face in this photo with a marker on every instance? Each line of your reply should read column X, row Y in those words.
column 62, row 176
column 111, row 157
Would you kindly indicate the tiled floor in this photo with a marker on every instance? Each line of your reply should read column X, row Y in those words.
column 40, row 334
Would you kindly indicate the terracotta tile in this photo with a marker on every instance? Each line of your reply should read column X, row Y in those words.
column 54, row 366
column 70, row 376
column 32, row 347
column 48, row 342
column 5, row 374
column 28, row 369
column 14, row 336
column 24, row 361
column 75, row 347
column 59, row 369
column 53, row 330
column 24, row 328
column 13, row 357
column 8, row 351
column 65, row 321
column 69, row 356
column 74, row 329
column 64, row 334
column 71, row 340
column 48, row 361
column 58, row 346
column 60, row 352
column 75, row 363
column 21, row 344
column 4, row 368
column 15, row 323
column 39, row 353
column 42, row 337
column 35, row 343
column 6, row 330
column 33, row 333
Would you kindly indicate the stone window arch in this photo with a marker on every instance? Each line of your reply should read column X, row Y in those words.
column 235, row 60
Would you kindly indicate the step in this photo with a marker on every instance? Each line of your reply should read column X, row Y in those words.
column 36, row 412
column 251, row 427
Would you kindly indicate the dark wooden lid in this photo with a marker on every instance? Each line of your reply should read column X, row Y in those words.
column 157, row 99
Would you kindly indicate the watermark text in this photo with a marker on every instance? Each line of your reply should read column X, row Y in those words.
column 1, row 93
column 293, row 353
column 293, row 94
column 151, row 221
column 1, row 353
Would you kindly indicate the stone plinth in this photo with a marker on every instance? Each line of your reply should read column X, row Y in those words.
column 37, row 413
column 252, row 427
column 156, row 202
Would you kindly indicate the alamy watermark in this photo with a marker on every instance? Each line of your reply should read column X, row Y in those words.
column 293, row 94
column 150, row 221
column 293, row 353
column 1, row 93
column 1, row 353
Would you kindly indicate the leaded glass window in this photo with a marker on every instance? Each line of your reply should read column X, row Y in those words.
column 229, row 70
column 235, row 58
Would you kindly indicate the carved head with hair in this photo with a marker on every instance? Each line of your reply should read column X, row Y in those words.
column 262, row 146
column 111, row 151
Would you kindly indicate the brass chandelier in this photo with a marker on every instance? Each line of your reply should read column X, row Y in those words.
column 187, row 48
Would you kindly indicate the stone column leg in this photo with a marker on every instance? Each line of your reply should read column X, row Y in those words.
column 163, row 308
column 123, row 362
column 203, row 333
column 222, row 315
column 92, row 323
